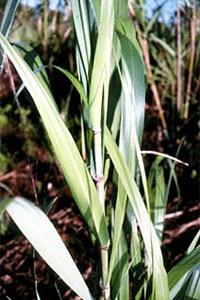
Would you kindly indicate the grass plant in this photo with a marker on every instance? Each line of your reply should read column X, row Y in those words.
column 112, row 94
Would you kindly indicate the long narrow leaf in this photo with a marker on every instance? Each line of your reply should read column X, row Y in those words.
column 133, row 69
column 194, row 242
column 75, row 82
column 119, row 218
column 147, row 230
column 81, row 23
column 7, row 21
column 8, row 17
column 41, row 233
column 134, row 98
column 156, row 189
column 186, row 264
column 73, row 167
column 163, row 44
column 132, row 81
column 33, row 60
column 102, row 54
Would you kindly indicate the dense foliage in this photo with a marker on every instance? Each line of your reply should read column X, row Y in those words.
column 83, row 112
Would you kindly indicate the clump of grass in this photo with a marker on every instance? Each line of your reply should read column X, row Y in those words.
column 112, row 120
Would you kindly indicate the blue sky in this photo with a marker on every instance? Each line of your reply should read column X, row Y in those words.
column 167, row 11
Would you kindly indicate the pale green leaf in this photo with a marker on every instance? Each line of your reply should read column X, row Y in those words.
column 194, row 242
column 132, row 82
column 101, row 57
column 193, row 288
column 120, row 277
column 81, row 24
column 74, row 169
column 133, row 74
column 41, row 233
column 147, row 230
column 119, row 218
column 97, row 9
column 188, row 286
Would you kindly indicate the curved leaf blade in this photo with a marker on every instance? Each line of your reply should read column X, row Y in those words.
column 100, row 64
column 146, row 227
column 133, row 72
column 73, row 167
column 8, row 17
column 185, row 265
column 77, row 84
column 41, row 233
column 7, row 21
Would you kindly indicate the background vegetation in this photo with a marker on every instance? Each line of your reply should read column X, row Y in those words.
column 171, row 54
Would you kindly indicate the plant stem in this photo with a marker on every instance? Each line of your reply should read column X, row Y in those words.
column 178, row 57
column 99, row 179
column 191, row 65
column 104, row 262
column 45, row 30
column 145, row 50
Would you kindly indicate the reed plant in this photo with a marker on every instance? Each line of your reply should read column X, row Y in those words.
column 171, row 54
column 112, row 95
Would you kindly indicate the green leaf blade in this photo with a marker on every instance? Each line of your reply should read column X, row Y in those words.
column 146, row 227
column 75, row 172
column 186, row 264
column 41, row 233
